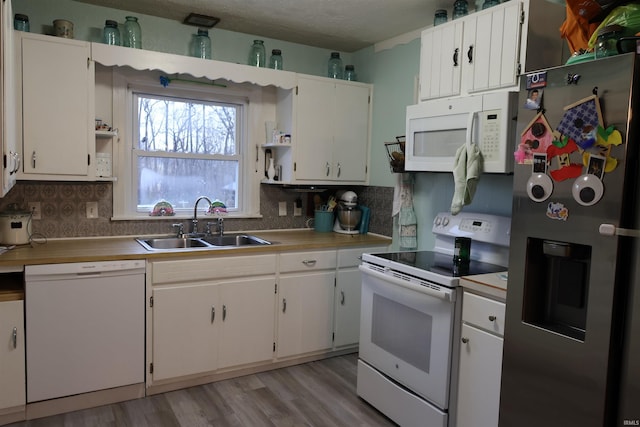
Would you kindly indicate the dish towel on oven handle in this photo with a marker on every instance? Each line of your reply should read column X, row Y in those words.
column 403, row 209
column 467, row 168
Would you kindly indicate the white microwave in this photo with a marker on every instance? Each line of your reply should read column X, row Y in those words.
column 436, row 129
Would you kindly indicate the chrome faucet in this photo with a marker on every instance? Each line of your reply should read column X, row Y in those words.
column 194, row 221
column 220, row 226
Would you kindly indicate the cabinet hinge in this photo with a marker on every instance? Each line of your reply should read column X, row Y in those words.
column 519, row 69
column 88, row 159
column 522, row 17
column 274, row 346
column 150, row 301
column 151, row 368
column 296, row 90
column 4, row 161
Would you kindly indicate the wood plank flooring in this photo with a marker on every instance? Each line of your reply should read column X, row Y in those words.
column 321, row 393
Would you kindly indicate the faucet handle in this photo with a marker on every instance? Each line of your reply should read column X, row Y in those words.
column 207, row 230
column 180, row 227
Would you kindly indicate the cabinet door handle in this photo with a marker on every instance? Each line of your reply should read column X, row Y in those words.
column 284, row 305
column 455, row 57
column 338, row 175
column 15, row 337
column 328, row 168
column 341, row 297
column 464, row 340
column 470, row 54
column 224, row 312
column 492, row 318
column 33, row 159
column 309, row 262
column 213, row 313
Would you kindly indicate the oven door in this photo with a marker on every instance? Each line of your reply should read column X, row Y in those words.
column 406, row 331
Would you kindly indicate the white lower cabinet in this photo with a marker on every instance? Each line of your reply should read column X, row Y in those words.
column 305, row 302
column 220, row 315
column 480, row 361
column 12, row 355
column 346, row 326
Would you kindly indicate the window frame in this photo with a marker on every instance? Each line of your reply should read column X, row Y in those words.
column 126, row 82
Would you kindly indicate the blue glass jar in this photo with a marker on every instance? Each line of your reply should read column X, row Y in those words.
column 21, row 22
column 460, row 9
column 350, row 73
column 490, row 3
column 201, row 45
column 257, row 54
column 275, row 61
column 334, row 69
column 132, row 33
column 440, row 17
column 111, row 33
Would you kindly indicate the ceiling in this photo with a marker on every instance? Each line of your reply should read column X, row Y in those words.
column 344, row 25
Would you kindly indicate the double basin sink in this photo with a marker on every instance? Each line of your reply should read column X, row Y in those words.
column 204, row 242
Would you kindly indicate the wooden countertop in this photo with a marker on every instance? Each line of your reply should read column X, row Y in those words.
column 115, row 248
column 491, row 284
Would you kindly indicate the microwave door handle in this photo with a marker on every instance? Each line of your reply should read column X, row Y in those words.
column 470, row 128
column 612, row 230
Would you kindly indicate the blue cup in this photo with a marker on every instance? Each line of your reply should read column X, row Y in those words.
column 323, row 221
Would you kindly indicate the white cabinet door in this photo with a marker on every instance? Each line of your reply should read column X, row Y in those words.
column 332, row 131
column 185, row 332
column 479, row 378
column 351, row 127
column 9, row 162
column 305, row 312
column 494, row 37
column 314, row 137
column 441, row 60
column 12, row 355
column 248, row 321
column 347, row 308
column 57, row 106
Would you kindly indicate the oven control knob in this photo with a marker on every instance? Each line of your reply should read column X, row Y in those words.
column 445, row 221
column 587, row 190
column 539, row 187
column 437, row 221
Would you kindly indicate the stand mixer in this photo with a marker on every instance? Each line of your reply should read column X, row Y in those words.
column 348, row 214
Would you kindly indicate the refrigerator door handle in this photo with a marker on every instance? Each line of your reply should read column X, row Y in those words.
column 611, row 230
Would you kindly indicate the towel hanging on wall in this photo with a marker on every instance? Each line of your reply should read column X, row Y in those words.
column 466, row 173
column 403, row 208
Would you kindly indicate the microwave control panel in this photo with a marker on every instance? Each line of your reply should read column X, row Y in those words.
column 490, row 134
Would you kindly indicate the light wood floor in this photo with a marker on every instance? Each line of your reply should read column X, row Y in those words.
column 319, row 394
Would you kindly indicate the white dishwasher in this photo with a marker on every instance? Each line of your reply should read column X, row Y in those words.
column 85, row 327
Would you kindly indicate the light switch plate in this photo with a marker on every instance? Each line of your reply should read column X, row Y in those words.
column 282, row 208
column 92, row 209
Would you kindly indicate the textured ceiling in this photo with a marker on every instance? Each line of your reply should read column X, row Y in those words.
column 345, row 25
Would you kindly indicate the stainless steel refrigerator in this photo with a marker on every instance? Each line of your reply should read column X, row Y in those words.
column 572, row 334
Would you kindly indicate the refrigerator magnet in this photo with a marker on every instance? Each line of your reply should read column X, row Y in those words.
column 557, row 211
column 580, row 121
column 536, row 138
column 587, row 189
column 596, row 165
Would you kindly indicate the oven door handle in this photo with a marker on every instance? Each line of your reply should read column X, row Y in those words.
column 446, row 294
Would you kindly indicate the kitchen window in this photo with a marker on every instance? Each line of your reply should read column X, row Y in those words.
column 182, row 141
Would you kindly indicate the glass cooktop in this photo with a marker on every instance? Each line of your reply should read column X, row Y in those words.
column 438, row 263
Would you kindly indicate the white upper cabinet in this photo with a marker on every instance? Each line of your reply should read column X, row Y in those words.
column 58, row 123
column 10, row 162
column 476, row 53
column 332, row 131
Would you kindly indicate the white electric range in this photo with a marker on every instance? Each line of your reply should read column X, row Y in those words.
column 410, row 319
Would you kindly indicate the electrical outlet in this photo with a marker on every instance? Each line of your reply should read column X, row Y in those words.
column 297, row 211
column 282, row 208
column 34, row 207
column 92, row 209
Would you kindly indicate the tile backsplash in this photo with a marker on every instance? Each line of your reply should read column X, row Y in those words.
column 63, row 209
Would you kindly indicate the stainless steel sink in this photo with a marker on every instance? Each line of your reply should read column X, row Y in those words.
column 211, row 242
column 235, row 240
column 172, row 243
